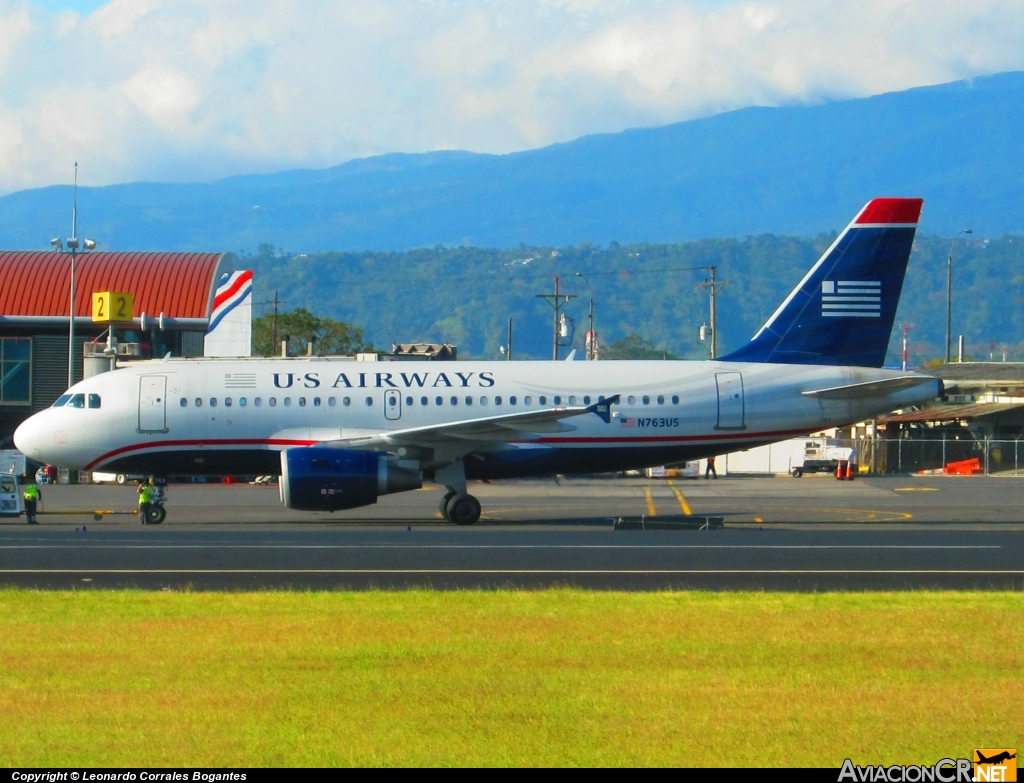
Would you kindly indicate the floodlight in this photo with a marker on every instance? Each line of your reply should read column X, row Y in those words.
column 90, row 244
column 73, row 243
column 57, row 244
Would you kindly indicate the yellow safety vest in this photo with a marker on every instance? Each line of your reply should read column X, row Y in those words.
column 31, row 492
column 146, row 495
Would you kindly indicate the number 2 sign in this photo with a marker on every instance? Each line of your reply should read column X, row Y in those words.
column 112, row 307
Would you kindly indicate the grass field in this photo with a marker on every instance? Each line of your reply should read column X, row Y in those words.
column 560, row 677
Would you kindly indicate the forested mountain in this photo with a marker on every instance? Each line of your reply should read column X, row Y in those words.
column 797, row 170
column 466, row 295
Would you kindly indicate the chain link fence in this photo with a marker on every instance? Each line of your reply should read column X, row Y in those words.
column 989, row 457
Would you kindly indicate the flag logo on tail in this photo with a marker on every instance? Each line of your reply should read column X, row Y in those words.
column 851, row 299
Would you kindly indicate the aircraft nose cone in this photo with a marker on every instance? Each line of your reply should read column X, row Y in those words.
column 28, row 438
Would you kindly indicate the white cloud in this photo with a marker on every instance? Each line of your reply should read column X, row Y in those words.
column 197, row 89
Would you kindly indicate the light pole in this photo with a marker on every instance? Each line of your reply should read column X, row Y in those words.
column 88, row 244
column 591, row 337
column 949, row 291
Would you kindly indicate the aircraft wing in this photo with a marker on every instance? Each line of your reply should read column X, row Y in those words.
column 856, row 391
column 485, row 430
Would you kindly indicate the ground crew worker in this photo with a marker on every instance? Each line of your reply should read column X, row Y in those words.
column 145, row 493
column 710, row 469
column 32, row 495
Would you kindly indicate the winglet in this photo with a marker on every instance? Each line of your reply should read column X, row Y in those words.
column 603, row 408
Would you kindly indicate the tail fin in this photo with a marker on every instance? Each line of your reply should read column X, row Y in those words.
column 842, row 312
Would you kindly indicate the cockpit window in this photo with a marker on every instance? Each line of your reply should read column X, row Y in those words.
column 94, row 400
column 62, row 400
column 77, row 401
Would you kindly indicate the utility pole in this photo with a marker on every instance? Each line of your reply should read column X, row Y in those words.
column 949, row 291
column 556, row 300
column 713, row 287
column 591, row 337
column 906, row 328
column 508, row 353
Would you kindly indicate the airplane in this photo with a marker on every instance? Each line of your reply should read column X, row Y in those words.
column 999, row 758
column 340, row 433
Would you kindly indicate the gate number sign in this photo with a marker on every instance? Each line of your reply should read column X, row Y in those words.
column 112, row 307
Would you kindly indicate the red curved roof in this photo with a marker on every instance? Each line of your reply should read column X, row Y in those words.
column 36, row 283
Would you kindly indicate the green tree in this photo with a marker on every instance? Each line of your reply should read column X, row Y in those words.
column 330, row 337
column 634, row 347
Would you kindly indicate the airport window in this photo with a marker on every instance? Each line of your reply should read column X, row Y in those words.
column 199, row 402
column 61, row 401
column 15, row 372
column 455, row 401
column 369, row 401
column 408, row 400
column 94, row 400
column 423, row 400
column 287, row 402
column 438, row 401
column 512, row 400
column 316, row 402
column 558, row 400
column 647, row 400
column 675, row 399
column 242, row 402
column 272, row 401
column 258, row 402
column 346, row 401
column 483, row 400
column 227, row 402
column 586, row 399
column 184, row 402
column 661, row 400
column 213, row 402
column 631, row 400
column 469, row 400
column 302, row 402
column 497, row 400
column 527, row 400
column 77, row 401
column 543, row 400
column 332, row 402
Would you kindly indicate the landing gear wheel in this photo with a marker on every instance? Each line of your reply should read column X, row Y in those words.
column 797, row 472
column 443, row 505
column 464, row 509
column 155, row 515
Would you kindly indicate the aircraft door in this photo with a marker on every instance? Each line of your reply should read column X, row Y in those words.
column 730, row 401
column 153, row 403
column 392, row 405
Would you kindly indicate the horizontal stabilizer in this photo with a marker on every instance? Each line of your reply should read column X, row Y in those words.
column 859, row 391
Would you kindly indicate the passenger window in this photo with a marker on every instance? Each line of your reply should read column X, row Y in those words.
column 572, row 399
column 675, row 399
column 258, row 402
column 527, row 400
column 439, row 401
column 586, row 399
column 213, row 402
column 346, row 401
column 543, row 400
column 94, row 400
column 199, row 402
column 408, row 400
column 469, row 400
column 455, row 401
column 273, row 402
column 512, row 400
column 302, row 402
column 62, row 400
column 369, row 401
column 631, row 400
column 331, row 402
column 647, row 400
column 287, row 402
column 497, row 400
column 483, row 400
column 77, row 401
column 242, row 402
column 558, row 399
column 184, row 402
column 227, row 402
column 423, row 400
column 316, row 402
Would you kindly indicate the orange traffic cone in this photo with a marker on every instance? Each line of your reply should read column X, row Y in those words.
column 839, row 471
column 849, row 471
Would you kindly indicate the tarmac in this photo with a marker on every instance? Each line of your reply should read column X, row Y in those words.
column 809, row 534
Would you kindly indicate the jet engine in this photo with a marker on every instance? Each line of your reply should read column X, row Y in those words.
column 316, row 478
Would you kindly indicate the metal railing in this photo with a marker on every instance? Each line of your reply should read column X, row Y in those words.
column 995, row 457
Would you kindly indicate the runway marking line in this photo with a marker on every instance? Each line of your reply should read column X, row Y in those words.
column 916, row 489
column 682, row 501
column 502, row 546
column 650, row 502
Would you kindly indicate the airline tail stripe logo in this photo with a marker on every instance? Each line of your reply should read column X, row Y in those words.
column 231, row 293
column 851, row 299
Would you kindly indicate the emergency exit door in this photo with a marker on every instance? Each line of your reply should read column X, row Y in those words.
column 153, row 403
column 392, row 404
column 730, row 400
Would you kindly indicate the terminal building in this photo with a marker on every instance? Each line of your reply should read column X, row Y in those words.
column 185, row 304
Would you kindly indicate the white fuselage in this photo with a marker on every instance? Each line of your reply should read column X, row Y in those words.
column 203, row 416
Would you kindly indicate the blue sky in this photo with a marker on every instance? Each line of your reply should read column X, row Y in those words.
column 199, row 89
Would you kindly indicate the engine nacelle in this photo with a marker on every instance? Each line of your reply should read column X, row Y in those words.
column 316, row 478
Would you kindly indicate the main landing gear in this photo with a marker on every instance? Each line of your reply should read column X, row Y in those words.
column 457, row 505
